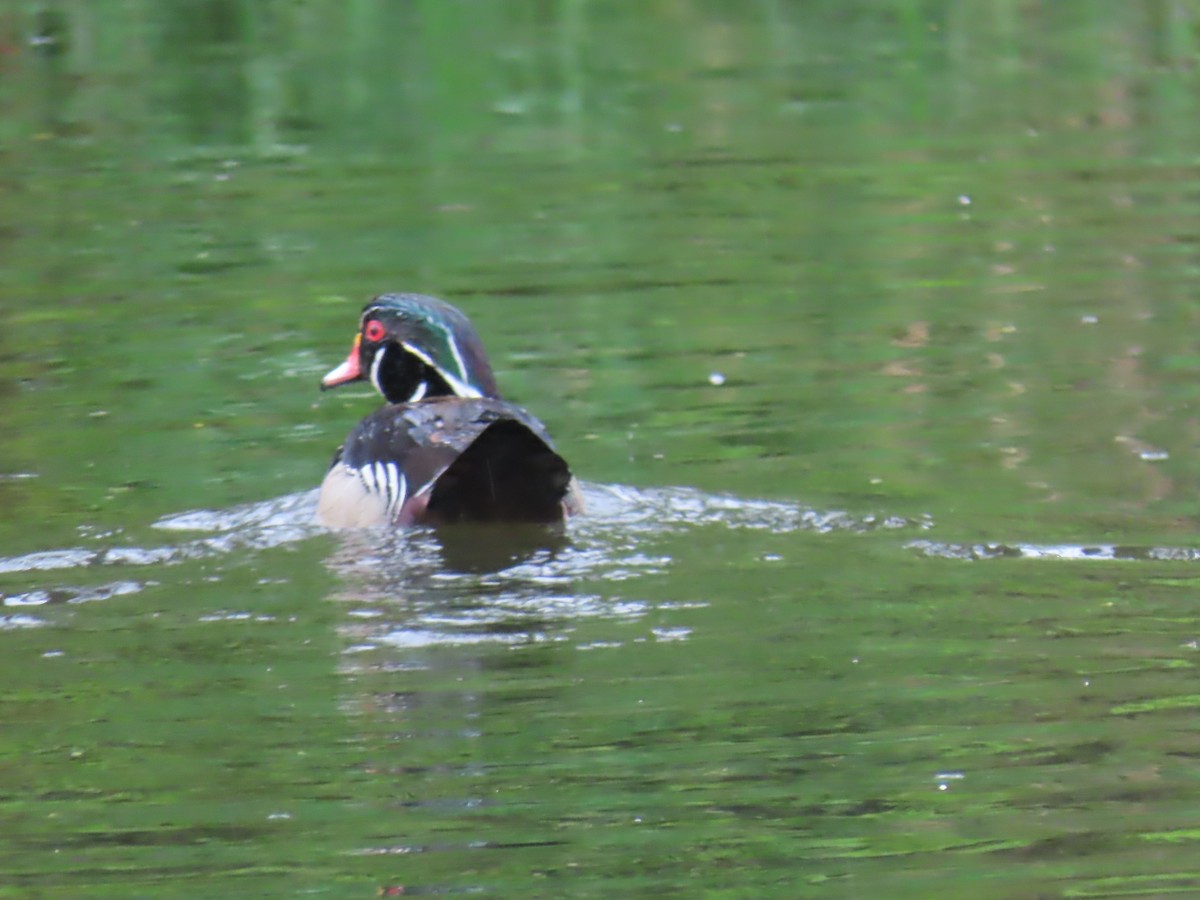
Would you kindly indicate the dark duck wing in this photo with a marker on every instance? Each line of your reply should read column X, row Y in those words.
column 446, row 460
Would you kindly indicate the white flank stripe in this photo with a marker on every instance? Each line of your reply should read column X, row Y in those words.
column 381, row 481
column 367, row 474
column 396, row 485
column 393, row 489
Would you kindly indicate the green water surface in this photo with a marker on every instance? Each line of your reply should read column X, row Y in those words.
column 870, row 326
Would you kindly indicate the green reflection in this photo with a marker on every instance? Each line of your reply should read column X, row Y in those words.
column 941, row 257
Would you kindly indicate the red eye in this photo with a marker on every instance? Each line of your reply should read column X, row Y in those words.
column 374, row 331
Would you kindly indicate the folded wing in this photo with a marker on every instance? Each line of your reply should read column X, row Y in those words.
column 446, row 460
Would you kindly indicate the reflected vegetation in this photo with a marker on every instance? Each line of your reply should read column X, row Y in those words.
column 869, row 325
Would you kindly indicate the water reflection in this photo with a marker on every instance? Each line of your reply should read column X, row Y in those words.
column 482, row 549
column 940, row 260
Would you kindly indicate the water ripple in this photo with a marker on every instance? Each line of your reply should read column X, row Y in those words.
column 1071, row 552
column 523, row 580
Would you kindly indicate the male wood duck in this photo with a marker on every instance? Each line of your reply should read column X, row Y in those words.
column 445, row 448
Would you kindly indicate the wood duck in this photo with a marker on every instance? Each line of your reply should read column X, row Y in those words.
column 444, row 448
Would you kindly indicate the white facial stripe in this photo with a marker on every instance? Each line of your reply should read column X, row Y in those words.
column 460, row 387
column 419, row 392
column 462, row 368
column 420, row 354
column 375, row 363
column 448, row 335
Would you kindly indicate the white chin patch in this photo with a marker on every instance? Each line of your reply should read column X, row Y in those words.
column 419, row 392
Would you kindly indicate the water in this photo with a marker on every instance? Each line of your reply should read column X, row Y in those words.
column 868, row 327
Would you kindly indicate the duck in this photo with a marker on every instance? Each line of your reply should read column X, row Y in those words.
column 445, row 447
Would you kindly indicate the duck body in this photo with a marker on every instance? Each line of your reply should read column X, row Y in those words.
column 445, row 448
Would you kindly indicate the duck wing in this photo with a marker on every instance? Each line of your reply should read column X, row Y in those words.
column 446, row 459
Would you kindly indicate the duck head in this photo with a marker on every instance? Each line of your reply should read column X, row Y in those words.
column 411, row 347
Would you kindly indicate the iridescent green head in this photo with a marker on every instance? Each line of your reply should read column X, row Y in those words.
column 411, row 346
